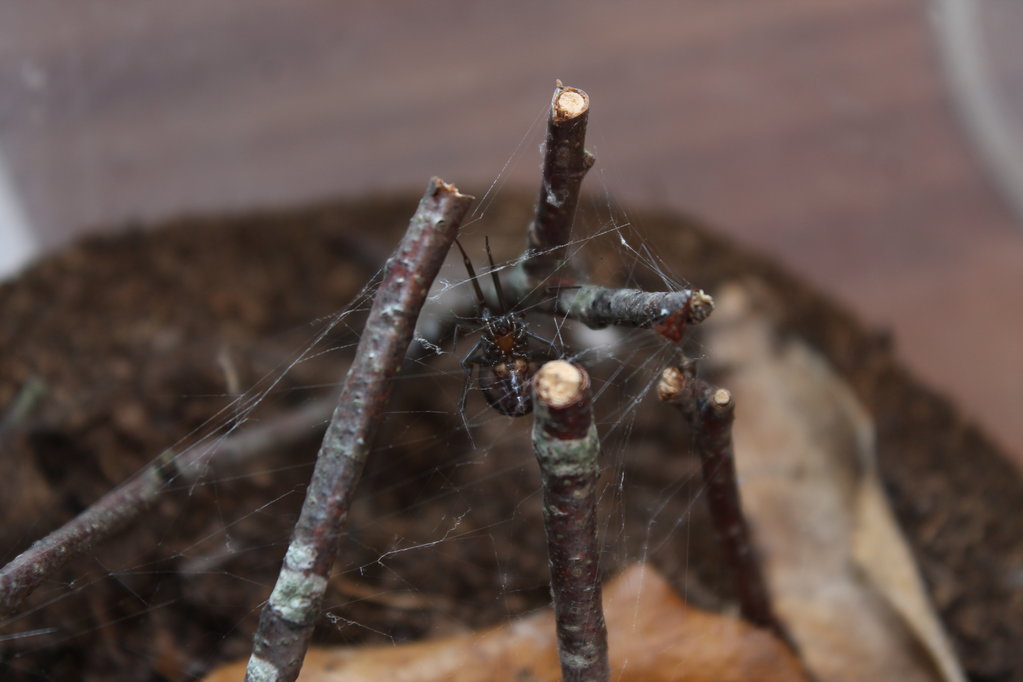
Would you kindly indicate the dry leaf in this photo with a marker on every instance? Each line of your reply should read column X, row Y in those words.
column 842, row 577
column 883, row 556
column 653, row 637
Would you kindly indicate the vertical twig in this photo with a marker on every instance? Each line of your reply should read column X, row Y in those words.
column 711, row 410
column 565, row 163
column 289, row 615
column 566, row 446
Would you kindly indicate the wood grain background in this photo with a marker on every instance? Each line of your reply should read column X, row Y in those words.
column 819, row 131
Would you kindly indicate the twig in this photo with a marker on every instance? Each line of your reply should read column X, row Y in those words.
column 121, row 506
column 289, row 615
column 544, row 266
column 565, row 163
column 566, row 446
column 711, row 410
column 668, row 313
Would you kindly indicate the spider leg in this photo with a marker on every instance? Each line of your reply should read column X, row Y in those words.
column 462, row 329
column 472, row 358
column 552, row 352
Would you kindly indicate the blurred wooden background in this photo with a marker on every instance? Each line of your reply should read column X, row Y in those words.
column 822, row 132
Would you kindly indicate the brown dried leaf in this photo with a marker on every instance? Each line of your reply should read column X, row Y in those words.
column 653, row 637
column 842, row 577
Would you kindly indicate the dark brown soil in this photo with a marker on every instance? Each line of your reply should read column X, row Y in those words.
column 131, row 337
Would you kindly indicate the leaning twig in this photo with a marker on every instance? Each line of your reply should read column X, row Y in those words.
column 710, row 410
column 565, row 163
column 289, row 615
column 566, row 446
column 115, row 510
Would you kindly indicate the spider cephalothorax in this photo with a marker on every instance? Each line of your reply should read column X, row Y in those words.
column 502, row 354
column 505, row 372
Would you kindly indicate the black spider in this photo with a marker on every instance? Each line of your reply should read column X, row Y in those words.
column 502, row 354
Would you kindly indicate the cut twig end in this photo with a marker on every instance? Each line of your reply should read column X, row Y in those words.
column 672, row 324
column 569, row 103
column 559, row 383
column 438, row 186
column 561, row 400
column 701, row 305
column 721, row 399
column 671, row 385
column 441, row 191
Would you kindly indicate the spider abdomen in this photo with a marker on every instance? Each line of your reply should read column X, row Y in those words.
column 508, row 386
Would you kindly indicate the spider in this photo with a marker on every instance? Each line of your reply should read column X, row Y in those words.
column 502, row 354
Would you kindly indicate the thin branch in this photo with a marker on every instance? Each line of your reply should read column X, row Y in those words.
column 668, row 313
column 289, row 615
column 710, row 411
column 118, row 508
column 544, row 266
column 565, row 163
column 567, row 448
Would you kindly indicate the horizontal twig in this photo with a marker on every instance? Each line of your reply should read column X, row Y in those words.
column 668, row 312
column 288, row 617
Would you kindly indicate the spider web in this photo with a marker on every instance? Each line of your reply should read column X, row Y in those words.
column 446, row 528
